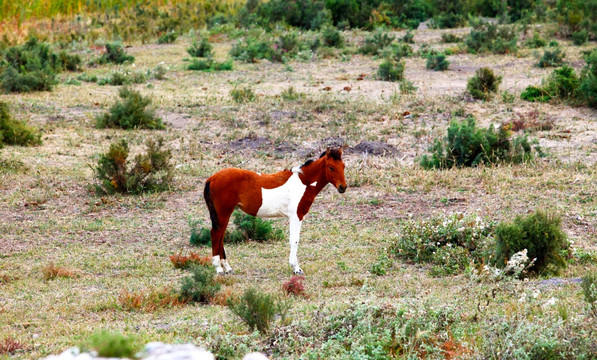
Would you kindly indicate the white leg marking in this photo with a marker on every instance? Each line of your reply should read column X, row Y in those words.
column 295, row 232
column 227, row 267
column 314, row 184
column 216, row 262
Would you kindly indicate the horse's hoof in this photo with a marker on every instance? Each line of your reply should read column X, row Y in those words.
column 299, row 272
column 230, row 272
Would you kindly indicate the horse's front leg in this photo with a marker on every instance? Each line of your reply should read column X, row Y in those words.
column 295, row 232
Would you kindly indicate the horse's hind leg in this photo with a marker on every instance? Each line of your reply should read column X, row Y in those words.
column 217, row 244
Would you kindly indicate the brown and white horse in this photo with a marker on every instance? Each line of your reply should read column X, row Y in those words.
column 288, row 193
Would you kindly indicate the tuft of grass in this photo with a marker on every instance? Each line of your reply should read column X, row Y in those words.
column 540, row 233
column 185, row 261
column 149, row 301
column 589, row 289
column 112, row 345
column 290, row 94
column 210, row 65
column 130, row 113
column 201, row 286
column 9, row 346
column 201, row 49
column 484, row 84
column 151, row 171
column 14, row 132
column 51, row 271
column 242, row 95
column 258, row 309
column 295, row 286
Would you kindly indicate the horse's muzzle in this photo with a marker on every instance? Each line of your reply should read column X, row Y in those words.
column 341, row 189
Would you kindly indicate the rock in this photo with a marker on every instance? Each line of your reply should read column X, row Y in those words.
column 255, row 356
column 161, row 351
column 377, row 148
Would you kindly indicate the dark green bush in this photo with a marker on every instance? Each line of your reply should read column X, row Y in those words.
column 450, row 38
column 540, row 233
column 437, row 62
column 87, row 78
column 330, row 36
column 376, row 42
column 551, row 58
column 563, row 83
column 449, row 20
column 397, row 51
column 209, row 65
column 533, row 93
column 14, row 132
column 289, row 43
column 168, row 38
column 130, row 113
column 257, row 309
column 115, row 54
column 33, row 67
column 201, row 49
column 588, row 85
column 390, row 70
column 467, row 145
column 242, row 95
column 151, row 171
column 580, row 37
column 408, row 38
column 535, row 42
column 486, row 37
column 251, row 49
column 112, row 345
column 201, row 286
column 484, row 84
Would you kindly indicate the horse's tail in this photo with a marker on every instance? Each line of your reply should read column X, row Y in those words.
column 210, row 206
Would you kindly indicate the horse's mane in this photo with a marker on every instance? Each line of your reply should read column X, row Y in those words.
column 334, row 154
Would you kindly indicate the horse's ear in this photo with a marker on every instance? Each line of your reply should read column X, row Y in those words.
column 328, row 152
column 340, row 151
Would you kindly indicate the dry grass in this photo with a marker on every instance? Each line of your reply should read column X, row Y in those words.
column 51, row 271
column 9, row 346
column 150, row 300
column 49, row 211
column 184, row 261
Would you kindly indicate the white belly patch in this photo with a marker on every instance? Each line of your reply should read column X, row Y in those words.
column 283, row 200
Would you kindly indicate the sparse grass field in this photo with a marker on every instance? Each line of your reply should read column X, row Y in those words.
column 52, row 219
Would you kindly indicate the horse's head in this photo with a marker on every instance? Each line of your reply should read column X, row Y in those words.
column 334, row 169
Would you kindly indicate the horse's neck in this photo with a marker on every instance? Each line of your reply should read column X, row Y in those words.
column 313, row 175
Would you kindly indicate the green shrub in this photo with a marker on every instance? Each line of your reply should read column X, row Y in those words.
column 374, row 43
column 551, row 58
column 540, row 233
column 291, row 94
column 242, row 95
column 201, row 49
column 252, row 49
column 151, row 171
column 467, row 145
column 484, row 84
column 210, row 65
column 130, row 113
column 535, row 42
column 533, row 93
column 408, row 38
column 407, row 87
column 200, row 236
column 14, row 132
column 87, row 78
column 396, row 51
column 69, row 62
column 390, row 70
column 588, row 85
column 437, row 62
column 330, row 36
column 589, row 289
column 580, row 37
column 563, row 83
column 450, row 38
column 257, row 309
column 448, row 20
column 486, row 37
column 168, row 38
column 118, row 78
column 159, row 72
column 112, row 345
column 115, row 54
column 448, row 243
column 201, row 286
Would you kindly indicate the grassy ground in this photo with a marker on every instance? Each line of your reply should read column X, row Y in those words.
column 50, row 214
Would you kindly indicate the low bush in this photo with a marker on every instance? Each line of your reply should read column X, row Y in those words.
column 437, row 62
column 408, row 38
column 210, row 65
column 87, row 78
column 563, row 83
column 396, row 51
column 168, row 38
column 551, row 58
column 448, row 243
column 201, row 286
column 487, row 37
column 130, row 113
column 407, row 87
column 118, row 78
column 484, row 84
column 390, row 70
column 376, row 42
column 180, row 261
column 251, row 49
column 151, row 171
column 535, row 42
column 295, row 286
column 588, row 85
column 540, row 233
column 159, row 72
column 258, row 309
column 450, row 38
column 201, row 49
column 535, row 94
column 589, row 289
column 15, row 132
column 330, row 36
column 580, row 37
column 114, row 54
column 467, row 145
column 112, row 345
column 242, row 95
column 149, row 301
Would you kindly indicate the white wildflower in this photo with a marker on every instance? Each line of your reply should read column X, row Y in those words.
column 536, row 293
column 551, row 302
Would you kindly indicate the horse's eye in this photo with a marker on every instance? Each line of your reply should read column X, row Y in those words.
column 331, row 168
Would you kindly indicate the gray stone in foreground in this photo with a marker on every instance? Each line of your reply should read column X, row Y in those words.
column 155, row 351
